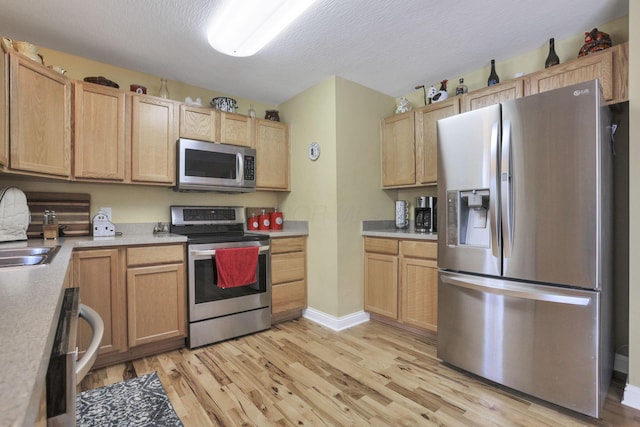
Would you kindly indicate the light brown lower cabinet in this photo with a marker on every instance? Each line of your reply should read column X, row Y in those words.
column 401, row 282
column 98, row 274
column 139, row 292
column 288, row 277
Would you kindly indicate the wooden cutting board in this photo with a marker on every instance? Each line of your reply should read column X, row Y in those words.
column 73, row 212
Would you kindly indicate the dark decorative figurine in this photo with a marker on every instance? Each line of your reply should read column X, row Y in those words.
column 594, row 41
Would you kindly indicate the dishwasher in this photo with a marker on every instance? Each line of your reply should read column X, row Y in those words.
column 65, row 370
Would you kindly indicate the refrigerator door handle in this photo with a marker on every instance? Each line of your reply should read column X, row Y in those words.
column 493, row 188
column 505, row 189
column 548, row 296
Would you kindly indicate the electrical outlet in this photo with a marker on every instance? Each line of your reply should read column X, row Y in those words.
column 107, row 212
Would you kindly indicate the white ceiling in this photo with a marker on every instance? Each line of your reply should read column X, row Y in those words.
column 390, row 46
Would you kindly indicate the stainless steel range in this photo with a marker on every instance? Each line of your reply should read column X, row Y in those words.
column 217, row 314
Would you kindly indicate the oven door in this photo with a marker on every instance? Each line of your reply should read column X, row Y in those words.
column 207, row 300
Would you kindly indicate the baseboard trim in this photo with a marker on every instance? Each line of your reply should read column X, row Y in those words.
column 631, row 396
column 333, row 322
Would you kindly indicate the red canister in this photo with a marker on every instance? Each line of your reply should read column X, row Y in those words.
column 276, row 220
column 264, row 221
column 252, row 223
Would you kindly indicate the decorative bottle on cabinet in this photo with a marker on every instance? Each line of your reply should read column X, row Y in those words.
column 552, row 58
column 493, row 76
column 461, row 88
column 163, row 92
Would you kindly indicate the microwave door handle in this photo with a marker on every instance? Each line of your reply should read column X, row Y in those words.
column 240, row 167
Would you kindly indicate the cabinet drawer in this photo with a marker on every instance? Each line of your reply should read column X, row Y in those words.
column 289, row 244
column 288, row 296
column 144, row 255
column 287, row 267
column 381, row 246
column 417, row 249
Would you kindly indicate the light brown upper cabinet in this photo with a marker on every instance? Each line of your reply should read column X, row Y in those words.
column 40, row 119
column 609, row 66
column 271, row 141
column 398, row 150
column 99, row 132
column 154, row 132
column 490, row 95
column 235, row 129
column 198, row 123
column 427, row 138
column 409, row 145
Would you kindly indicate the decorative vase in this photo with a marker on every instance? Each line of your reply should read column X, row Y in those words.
column 552, row 57
column 163, row 92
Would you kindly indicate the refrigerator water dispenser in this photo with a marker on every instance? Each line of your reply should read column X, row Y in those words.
column 467, row 218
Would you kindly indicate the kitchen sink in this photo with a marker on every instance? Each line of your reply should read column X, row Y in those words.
column 26, row 257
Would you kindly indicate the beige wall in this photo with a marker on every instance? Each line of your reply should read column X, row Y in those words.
column 340, row 189
column 527, row 62
column 313, row 187
column 359, row 111
column 634, row 194
column 78, row 68
column 136, row 203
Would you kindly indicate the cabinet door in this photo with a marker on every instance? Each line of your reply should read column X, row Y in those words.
column 511, row 89
column 4, row 109
column 98, row 275
column 198, row 123
column 40, row 118
column 156, row 303
column 287, row 267
column 235, row 129
column 427, row 138
column 154, row 132
column 99, row 132
column 272, row 155
column 288, row 296
column 398, row 151
column 595, row 66
column 381, row 284
column 419, row 293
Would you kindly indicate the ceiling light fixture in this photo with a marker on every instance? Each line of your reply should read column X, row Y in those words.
column 243, row 27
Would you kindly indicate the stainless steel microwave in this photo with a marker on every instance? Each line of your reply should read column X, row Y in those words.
column 207, row 166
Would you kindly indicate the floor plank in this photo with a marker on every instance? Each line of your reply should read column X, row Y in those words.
column 300, row 373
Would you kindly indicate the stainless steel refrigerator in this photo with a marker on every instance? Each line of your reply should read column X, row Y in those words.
column 525, row 245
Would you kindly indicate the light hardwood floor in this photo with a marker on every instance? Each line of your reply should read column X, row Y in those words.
column 300, row 373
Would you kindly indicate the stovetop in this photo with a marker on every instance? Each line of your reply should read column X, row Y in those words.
column 212, row 224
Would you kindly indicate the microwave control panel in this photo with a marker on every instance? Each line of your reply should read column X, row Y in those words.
column 249, row 168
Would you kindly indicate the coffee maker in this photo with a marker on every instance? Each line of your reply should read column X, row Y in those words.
column 426, row 212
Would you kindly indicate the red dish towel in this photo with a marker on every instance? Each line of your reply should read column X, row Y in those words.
column 236, row 266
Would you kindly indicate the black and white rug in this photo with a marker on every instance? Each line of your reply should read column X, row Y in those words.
column 136, row 402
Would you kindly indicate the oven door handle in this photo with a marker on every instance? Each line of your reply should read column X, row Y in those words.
column 97, row 326
column 213, row 251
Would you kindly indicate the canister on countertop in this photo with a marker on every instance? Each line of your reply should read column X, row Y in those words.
column 276, row 219
column 402, row 214
column 264, row 221
column 253, row 222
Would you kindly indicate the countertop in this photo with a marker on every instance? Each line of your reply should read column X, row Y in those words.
column 388, row 229
column 30, row 299
column 289, row 229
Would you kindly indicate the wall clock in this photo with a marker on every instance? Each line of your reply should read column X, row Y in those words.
column 314, row 151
